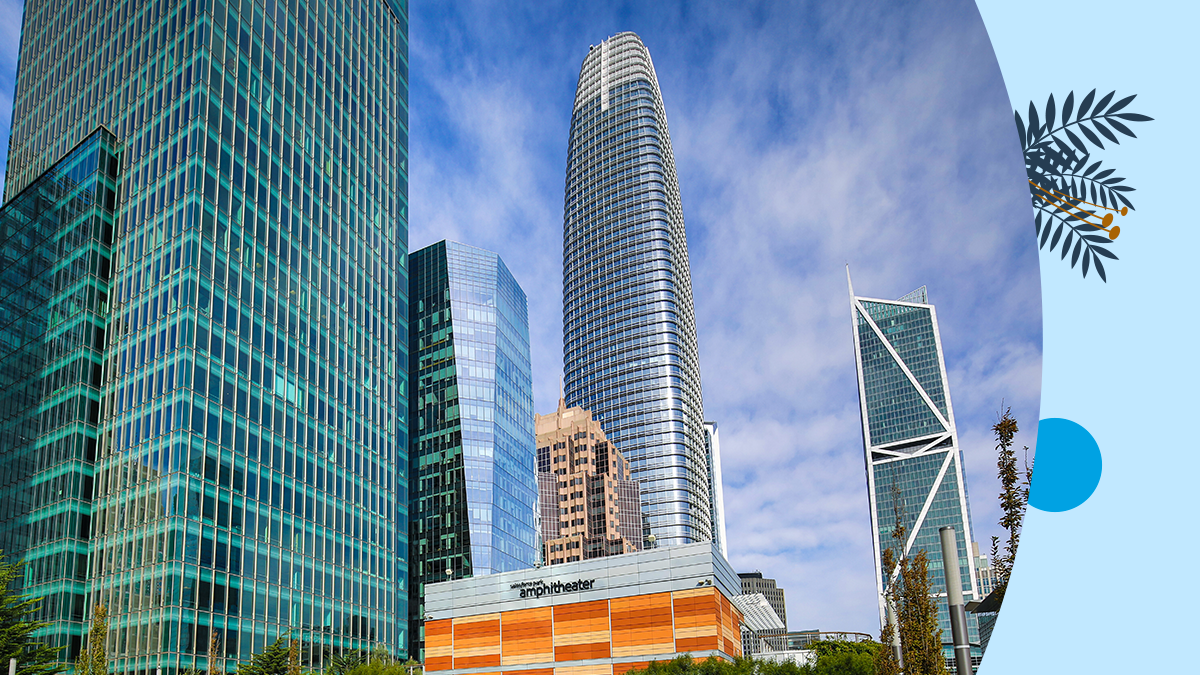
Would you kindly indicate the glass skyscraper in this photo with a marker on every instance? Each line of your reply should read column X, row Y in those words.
column 55, row 257
column 629, row 329
column 246, row 375
column 914, row 463
column 473, row 456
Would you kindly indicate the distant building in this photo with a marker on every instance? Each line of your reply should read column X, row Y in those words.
column 716, row 491
column 753, row 582
column 590, row 508
column 987, row 573
column 472, row 461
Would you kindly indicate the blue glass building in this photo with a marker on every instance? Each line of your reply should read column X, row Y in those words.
column 55, row 261
column 629, row 328
column 914, row 463
column 250, row 470
column 473, row 455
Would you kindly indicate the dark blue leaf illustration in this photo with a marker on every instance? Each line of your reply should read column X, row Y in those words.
column 1121, row 127
column 1091, row 136
column 1073, row 197
column 1066, row 247
column 1104, row 130
column 1076, row 141
column 1121, row 104
column 1085, row 106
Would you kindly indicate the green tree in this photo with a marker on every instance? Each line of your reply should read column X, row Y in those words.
column 274, row 660
column 1014, row 498
column 342, row 664
column 16, row 628
column 908, row 590
column 920, row 636
column 93, row 660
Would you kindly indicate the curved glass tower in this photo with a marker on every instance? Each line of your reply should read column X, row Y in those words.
column 629, row 330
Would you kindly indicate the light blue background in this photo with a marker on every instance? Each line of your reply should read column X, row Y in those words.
column 1107, row 587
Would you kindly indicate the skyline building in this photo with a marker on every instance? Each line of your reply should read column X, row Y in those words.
column 236, row 345
column 716, row 488
column 473, row 459
column 753, row 583
column 913, row 459
column 629, row 330
column 590, row 508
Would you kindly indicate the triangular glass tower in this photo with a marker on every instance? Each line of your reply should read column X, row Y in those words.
column 914, row 463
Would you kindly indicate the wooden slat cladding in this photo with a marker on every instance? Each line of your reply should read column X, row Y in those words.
column 642, row 624
column 697, row 621
column 528, row 637
column 477, row 641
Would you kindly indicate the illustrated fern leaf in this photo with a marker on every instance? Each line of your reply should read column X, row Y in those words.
column 1064, row 180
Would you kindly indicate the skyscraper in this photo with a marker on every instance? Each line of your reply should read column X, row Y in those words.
column 250, row 463
column 629, row 329
column 473, row 457
column 914, row 464
column 590, row 508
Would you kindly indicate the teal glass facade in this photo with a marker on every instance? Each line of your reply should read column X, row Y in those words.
column 474, row 454
column 629, row 329
column 914, row 463
column 251, row 464
column 55, row 268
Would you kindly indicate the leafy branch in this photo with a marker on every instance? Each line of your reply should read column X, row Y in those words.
column 1064, row 181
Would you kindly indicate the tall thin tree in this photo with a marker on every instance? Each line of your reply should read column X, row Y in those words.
column 93, row 660
column 1014, row 498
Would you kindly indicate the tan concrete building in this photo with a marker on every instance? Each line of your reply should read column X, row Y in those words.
column 590, row 508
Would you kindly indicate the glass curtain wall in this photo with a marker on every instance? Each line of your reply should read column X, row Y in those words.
column 629, row 329
column 251, row 470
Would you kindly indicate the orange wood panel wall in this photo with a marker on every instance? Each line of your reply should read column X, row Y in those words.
column 477, row 641
column 695, row 620
column 528, row 637
column 439, row 644
column 642, row 624
column 581, row 631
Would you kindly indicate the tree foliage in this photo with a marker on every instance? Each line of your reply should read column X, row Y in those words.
column 1014, row 498
column 93, row 660
column 833, row 658
column 274, row 660
column 908, row 590
column 16, row 628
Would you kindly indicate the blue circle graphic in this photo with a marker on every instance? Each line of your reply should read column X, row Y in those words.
column 1066, row 466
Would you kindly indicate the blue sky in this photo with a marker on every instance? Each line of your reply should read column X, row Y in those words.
column 807, row 136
